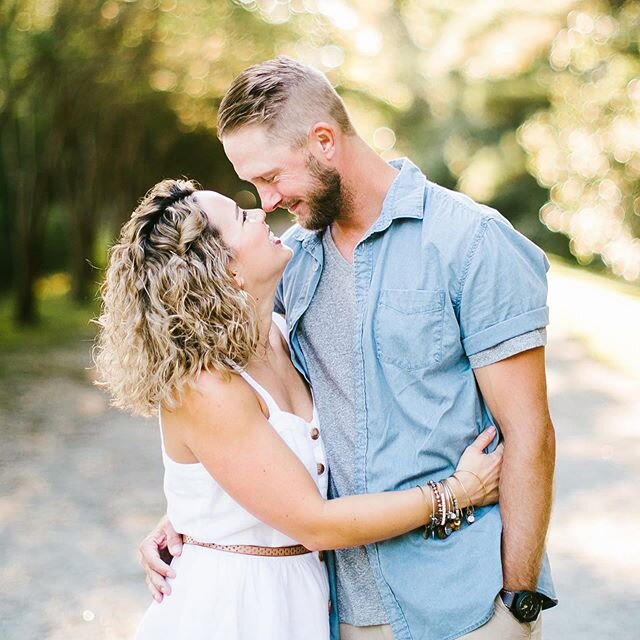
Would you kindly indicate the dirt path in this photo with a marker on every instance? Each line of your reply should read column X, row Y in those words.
column 81, row 483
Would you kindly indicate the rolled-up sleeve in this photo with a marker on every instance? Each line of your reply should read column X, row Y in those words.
column 503, row 290
column 508, row 348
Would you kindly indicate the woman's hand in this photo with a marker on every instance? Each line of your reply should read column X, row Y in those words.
column 153, row 553
column 478, row 473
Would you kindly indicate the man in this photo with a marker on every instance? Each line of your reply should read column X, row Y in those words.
column 416, row 315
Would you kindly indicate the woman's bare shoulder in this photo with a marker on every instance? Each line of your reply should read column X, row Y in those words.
column 214, row 385
column 217, row 396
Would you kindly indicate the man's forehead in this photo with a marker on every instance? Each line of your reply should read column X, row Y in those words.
column 253, row 161
column 254, row 154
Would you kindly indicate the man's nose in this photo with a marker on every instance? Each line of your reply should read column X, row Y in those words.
column 270, row 199
column 258, row 215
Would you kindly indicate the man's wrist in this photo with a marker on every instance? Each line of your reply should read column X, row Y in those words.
column 526, row 604
column 520, row 585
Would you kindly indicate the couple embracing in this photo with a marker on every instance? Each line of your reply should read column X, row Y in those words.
column 334, row 390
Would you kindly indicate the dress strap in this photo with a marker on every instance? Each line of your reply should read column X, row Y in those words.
column 164, row 451
column 263, row 393
column 281, row 323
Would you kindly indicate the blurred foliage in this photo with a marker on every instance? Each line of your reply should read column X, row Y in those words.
column 524, row 106
column 586, row 147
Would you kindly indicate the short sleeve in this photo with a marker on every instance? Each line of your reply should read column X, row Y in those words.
column 503, row 292
column 508, row 348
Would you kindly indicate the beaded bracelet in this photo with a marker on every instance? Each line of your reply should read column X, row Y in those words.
column 441, row 531
column 430, row 525
column 446, row 514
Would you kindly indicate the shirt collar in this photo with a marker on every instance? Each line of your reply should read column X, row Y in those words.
column 405, row 199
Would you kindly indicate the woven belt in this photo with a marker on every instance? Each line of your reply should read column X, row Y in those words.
column 250, row 549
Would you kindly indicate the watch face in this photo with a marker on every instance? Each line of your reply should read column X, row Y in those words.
column 527, row 606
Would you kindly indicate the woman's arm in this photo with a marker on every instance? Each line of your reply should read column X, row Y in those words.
column 230, row 435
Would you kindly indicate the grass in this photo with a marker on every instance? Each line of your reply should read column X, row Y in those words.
column 61, row 322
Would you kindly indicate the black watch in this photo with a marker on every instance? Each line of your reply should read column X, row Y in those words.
column 524, row 605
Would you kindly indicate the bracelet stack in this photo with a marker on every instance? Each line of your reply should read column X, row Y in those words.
column 446, row 514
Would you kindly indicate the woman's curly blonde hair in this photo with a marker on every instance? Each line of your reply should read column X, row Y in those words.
column 170, row 305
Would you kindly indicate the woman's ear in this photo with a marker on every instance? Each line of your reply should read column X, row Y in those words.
column 237, row 276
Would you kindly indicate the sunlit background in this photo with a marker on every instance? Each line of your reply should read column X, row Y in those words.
column 530, row 107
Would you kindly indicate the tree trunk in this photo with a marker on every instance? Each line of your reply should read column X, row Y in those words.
column 28, row 196
column 81, row 184
column 83, row 238
column 26, row 311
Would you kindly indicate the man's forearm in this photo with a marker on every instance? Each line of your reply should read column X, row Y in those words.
column 515, row 391
column 526, row 489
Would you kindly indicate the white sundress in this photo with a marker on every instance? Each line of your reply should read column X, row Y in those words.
column 217, row 595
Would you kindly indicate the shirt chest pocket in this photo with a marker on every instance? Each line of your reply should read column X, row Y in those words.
column 408, row 327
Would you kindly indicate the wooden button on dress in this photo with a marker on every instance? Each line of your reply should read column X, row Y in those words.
column 320, row 468
column 315, row 433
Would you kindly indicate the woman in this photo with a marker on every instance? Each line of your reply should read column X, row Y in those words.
column 187, row 330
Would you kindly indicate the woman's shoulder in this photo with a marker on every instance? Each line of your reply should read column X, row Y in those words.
column 217, row 386
column 223, row 395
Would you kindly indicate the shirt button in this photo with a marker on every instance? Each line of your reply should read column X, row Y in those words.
column 315, row 433
column 320, row 468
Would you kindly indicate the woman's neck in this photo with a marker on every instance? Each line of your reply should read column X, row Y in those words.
column 264, row 313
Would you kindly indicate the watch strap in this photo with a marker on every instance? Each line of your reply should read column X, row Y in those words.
column 508, row 597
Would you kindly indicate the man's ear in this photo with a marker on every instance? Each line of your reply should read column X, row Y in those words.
column 322, row 139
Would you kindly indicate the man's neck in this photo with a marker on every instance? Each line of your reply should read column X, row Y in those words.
column 368, row 178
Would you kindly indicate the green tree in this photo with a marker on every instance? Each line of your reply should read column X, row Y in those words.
column 507, row 102
column 586, row 147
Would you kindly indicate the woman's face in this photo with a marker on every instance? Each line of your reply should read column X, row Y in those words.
column 259, row 256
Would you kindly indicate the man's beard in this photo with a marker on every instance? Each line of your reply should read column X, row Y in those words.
column 330, row 199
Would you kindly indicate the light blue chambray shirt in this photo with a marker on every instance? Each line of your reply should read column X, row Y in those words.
column 438, row 278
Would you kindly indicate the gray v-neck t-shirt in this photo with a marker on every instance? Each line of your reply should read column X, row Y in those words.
column 326, row 338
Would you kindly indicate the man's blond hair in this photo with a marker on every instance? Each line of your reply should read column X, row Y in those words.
column 285, row 96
